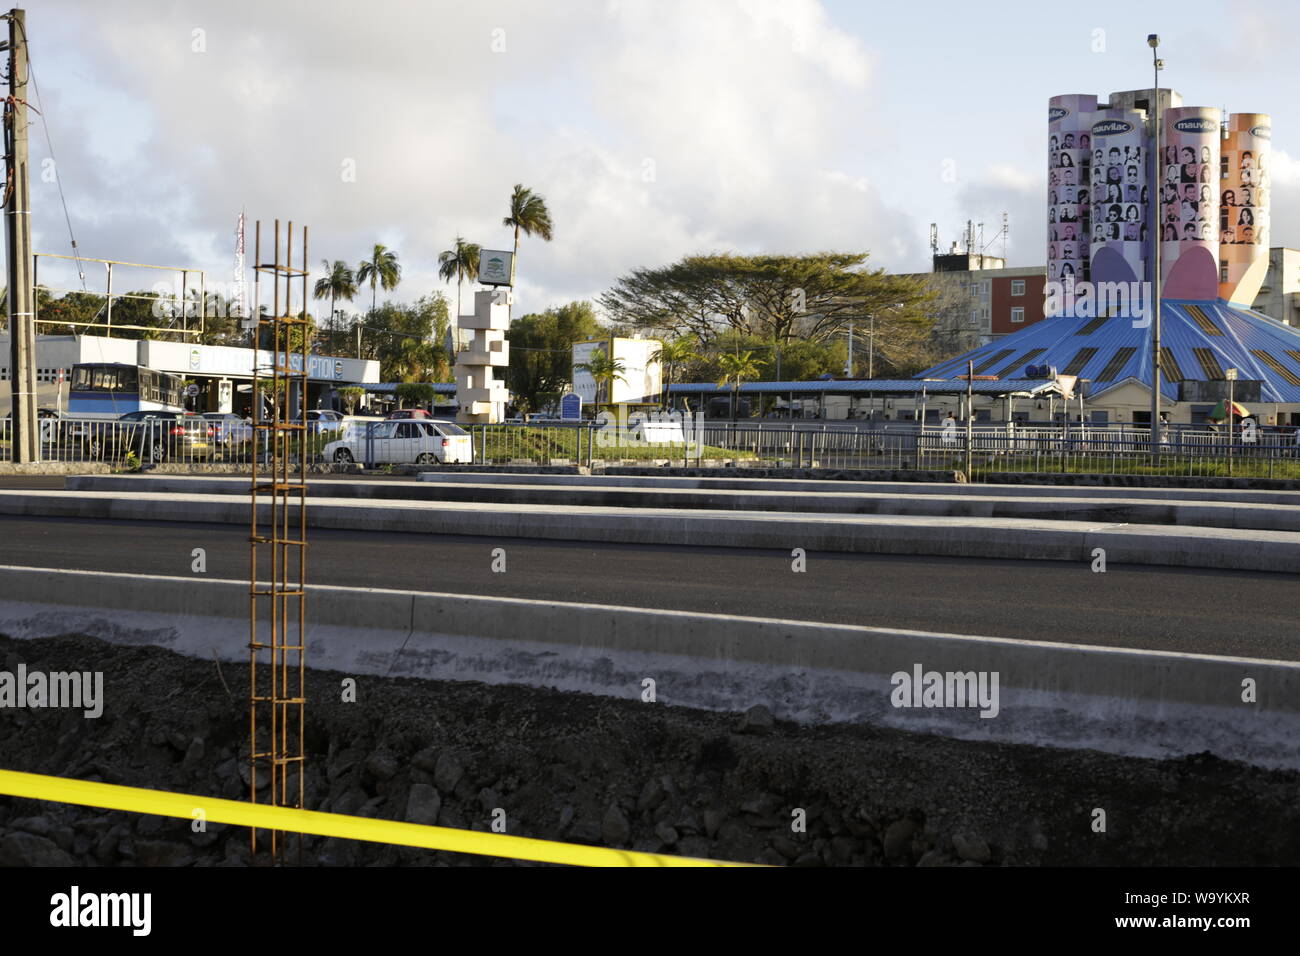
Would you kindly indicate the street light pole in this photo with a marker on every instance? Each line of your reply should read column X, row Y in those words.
column 1231, row 375
column 1153, row 232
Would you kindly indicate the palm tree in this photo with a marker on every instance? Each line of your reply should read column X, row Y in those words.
column 339, row 282
column 459, row 262
column 380, row 269
column 528, row 214
column 736, row 367
column 605, row 370
column 672, row 355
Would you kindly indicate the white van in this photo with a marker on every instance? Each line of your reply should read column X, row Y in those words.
column 417, row 441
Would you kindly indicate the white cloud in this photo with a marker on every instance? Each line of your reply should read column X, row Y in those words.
column 739, row 106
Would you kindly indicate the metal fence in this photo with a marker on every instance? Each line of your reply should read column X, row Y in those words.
column 130, row 443
column 992, row 450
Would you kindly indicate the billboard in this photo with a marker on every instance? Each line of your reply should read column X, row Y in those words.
column 496, row 267
column 641, row 378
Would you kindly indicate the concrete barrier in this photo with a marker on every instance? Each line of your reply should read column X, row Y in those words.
column 1007, row 538
column 956, row 504
column 1139, row 703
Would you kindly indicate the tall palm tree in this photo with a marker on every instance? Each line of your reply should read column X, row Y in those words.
column 339, row 282
column 605, row 370
column 736, row 367
column 459, row 262
column 528, row 214
column 381, row 269
column 672, row 355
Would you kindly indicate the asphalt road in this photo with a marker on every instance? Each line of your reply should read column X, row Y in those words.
column 1189, row 610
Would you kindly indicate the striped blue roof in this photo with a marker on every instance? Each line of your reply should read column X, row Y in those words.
column 1232, row 336
column 891, row 386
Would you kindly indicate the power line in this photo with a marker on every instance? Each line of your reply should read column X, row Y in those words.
column 58, row 176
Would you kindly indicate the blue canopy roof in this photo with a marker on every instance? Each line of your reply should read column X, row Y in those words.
column 1198, row 340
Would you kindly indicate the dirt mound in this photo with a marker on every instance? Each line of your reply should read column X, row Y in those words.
column 624, row 773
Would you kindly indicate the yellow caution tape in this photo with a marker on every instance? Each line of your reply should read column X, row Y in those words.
column 264, row 816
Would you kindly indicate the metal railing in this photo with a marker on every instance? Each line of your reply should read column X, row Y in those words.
column 993, row 449
column 130, row 443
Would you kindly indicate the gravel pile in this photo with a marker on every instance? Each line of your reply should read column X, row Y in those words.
column 619, row 773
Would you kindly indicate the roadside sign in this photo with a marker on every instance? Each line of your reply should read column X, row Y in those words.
column 570, row 407
column 191, row 390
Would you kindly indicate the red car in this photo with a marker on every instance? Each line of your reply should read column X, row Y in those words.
column 408, row 413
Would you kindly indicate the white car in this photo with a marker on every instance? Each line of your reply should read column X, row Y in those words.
column 418, row 441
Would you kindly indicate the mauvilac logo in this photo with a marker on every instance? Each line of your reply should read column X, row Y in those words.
column 1055, row 113
column 1263, row 132
column 1111, row 128
column 1197, row 125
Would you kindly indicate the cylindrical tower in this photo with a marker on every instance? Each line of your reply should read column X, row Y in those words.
column 1119, row 195
column 1069, row 160
column 1189, row 203
column 1243, row 206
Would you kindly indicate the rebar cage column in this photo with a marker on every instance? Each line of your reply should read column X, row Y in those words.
column 278, row 535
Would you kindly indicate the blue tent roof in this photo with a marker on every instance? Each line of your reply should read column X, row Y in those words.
column 1201, row 338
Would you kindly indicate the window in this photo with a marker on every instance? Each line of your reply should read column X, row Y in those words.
column 1017, row 315
column 1223, row 167
column 993, row 360
column 1223, row 267
column 1202, row 320
column 1116, row 364
column 1081, row 358
column 1017, row 286
column 1169, row 365
column 1093, row 325
column 1209, row 363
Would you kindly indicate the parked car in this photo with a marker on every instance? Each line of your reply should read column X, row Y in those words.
column 231, row 430
column 405, row 414
column 152, row 435
column 403, row 442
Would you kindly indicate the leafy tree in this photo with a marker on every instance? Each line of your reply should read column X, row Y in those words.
column 541, row 350
column 736, row 367
column 338, row 282
column 416, row 394
column 673, row 356
column 351, row 396
column 460, row 262
column 778, row 298
column 529, row 215
column 402, row 338
column 605, row 370
column 381, row 269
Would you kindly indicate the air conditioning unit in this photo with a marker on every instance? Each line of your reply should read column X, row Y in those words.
column 1040, row 371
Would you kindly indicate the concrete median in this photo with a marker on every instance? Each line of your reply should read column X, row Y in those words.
column 1139, row 703
column 1007, row 538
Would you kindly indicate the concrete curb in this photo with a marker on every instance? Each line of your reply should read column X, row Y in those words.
column 1140, row 703
column 1006, row 538
column 825, row 499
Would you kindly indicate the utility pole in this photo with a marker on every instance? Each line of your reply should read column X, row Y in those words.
column 1153, row 232
column 18, row 236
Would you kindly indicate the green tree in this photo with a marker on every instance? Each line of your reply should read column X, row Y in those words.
column 605, row 370
column 351, row 396
column 674, row 355
column 338, row 282
column 736, row 367
column 529, row 215
column 541, row 351
column 415, row 394
column 778, row 298
column 399, row 337
column 381, row 269
column 460, row 262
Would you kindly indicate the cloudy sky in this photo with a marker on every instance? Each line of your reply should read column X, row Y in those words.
column 654, row 128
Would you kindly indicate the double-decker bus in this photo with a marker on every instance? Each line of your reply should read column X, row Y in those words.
column 112, row 389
